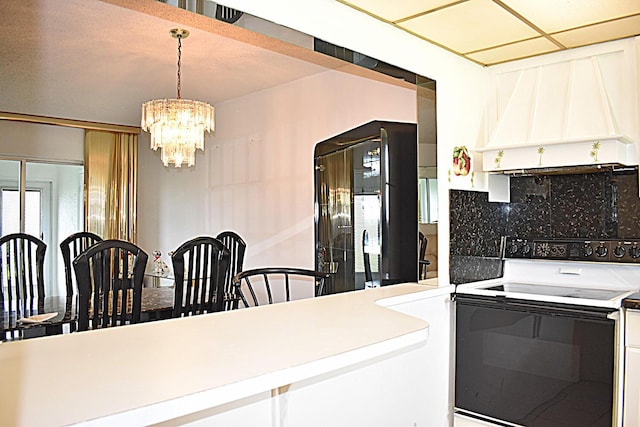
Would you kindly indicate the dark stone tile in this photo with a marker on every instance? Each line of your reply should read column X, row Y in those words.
column 581, row 206
column 465, row 269
column 528, row 189
column 476, row 226
column 530, row 207
column 628, row 204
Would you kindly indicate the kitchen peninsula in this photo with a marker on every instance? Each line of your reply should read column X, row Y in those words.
column 360, row 358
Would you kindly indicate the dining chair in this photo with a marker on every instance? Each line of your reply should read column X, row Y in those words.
column 109, row 275
column 369, row 280
column 21, row 280
column 365, row 257
column 71, row 247
column 278, row 284
column 422, row 262
column 199, row 269
column 237, row 247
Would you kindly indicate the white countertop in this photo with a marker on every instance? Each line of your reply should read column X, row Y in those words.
column 221, row 357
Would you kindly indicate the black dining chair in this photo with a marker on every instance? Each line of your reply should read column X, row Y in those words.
column 71, row 247
column 275, row 284
column 237, row 247
column 422, row 251
column 366, row 258
column 109, row 275
column 21, row 280
column 369, row 281
column 199, row 269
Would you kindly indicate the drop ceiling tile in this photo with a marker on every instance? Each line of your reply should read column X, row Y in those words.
column 470, row 26
column 396, row 9
column 598, row 33
column 513, row 51
column 557, row 15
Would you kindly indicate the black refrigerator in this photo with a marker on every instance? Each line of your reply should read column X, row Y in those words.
column 366, row 206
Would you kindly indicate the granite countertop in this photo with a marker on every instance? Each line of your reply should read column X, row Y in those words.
column 632, row 301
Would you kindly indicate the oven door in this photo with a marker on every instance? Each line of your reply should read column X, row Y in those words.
column 532, row 363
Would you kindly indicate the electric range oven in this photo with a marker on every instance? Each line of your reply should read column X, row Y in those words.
column 541, row 345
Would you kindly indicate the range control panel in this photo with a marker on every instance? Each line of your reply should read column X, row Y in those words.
column 605, row 250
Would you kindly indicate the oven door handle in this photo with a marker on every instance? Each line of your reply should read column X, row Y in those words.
column 537, row 307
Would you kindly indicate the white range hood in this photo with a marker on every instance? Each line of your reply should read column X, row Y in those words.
column 563, row 116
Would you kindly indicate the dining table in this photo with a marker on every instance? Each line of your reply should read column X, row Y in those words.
column 50, row 316
column 38, row 317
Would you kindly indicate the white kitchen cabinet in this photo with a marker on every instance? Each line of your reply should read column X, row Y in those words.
column 631, row 417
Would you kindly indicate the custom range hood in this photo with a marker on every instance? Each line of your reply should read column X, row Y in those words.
column 569, row 117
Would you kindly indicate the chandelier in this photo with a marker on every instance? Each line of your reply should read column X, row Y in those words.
column 177, row 126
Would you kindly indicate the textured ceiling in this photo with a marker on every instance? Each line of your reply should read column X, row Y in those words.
column 99, row 60
column 494, row 31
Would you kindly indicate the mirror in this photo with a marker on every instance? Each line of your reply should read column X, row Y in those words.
column 428, row 173
column 427, row 195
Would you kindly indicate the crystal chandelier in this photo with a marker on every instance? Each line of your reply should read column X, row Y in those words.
column 177, row 126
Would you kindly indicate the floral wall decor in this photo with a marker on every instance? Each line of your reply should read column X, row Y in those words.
column 461, row 161
column 594, row 151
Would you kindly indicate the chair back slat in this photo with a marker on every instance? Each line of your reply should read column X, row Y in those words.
column 237, row 248
column 199, row 268
column 257, row 286
column 109, row 275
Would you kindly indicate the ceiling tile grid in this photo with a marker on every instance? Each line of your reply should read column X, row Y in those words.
column 490, row 32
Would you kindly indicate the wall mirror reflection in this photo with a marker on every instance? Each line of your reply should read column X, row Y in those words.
column 46, row 201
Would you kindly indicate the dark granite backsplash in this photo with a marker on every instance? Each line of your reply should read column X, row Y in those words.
column 589, row 206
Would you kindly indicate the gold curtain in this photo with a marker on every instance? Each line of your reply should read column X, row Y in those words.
column 111, row 181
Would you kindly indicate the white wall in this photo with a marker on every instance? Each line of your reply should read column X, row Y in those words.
column 256, row 174
column 38, row 141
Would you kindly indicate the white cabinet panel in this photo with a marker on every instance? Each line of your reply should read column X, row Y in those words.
column 633, row 328
column 632, row 388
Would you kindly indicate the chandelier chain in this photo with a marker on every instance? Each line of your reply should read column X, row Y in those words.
column 179, row 57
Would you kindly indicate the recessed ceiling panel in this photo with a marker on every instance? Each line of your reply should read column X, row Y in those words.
column 470, row 26
column 518, row 50
column 397, row 9
column 557, row 15
column 611, row 30
column 488, row 31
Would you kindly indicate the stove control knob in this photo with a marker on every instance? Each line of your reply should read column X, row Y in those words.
column 619, row 251
column 587, row 251
column 601, row 250
column 513, row 248
column 635, row 251
column 526, row 248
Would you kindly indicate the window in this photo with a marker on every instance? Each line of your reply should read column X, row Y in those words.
column 11, row 211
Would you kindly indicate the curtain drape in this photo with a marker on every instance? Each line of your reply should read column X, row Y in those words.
column 111, row 180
